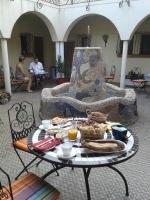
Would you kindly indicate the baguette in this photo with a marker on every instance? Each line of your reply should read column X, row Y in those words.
column 103, row 146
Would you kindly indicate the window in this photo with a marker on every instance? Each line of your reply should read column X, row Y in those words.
column 139, row 45
column 145, row 45
column 32, row 45
column 83, row 40
column 26, row 44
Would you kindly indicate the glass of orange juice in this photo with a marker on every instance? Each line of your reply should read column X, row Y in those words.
column 72, row 134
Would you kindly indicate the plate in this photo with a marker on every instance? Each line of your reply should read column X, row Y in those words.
column 120, row 144
column 62, row 156
column 53, row 131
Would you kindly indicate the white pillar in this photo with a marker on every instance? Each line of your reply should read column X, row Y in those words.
column 123, row 64
column 60, row 50
column 5, row 62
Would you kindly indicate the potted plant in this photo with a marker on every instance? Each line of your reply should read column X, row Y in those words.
column 59, row 67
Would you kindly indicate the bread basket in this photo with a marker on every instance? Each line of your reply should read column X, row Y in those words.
column 94, row 133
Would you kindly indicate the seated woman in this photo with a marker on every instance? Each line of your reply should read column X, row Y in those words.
column 21, row 75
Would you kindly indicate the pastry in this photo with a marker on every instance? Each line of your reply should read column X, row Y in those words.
column 62, row 134
column 98, row 116
column 57, row 120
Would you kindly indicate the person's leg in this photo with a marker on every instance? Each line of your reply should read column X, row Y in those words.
column 29, row 84
column 29, row 81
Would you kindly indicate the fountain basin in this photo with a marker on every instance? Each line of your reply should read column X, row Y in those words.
column 120, row 106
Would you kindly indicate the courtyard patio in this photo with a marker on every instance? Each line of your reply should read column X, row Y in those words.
column 104, row 183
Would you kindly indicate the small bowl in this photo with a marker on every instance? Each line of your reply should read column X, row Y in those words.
column 45, row 124
column 66, row 148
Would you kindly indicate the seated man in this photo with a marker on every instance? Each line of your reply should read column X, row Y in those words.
column 37, row 70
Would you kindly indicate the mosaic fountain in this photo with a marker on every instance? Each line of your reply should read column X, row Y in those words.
column 87, row 90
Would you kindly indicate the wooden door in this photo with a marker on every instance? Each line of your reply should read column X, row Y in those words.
column 38, row 48
column 68, row 56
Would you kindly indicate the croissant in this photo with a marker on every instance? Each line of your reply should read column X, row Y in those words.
column 98, row 116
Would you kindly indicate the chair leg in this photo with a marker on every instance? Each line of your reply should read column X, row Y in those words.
column 56, row 170
column 37, row 164
column 25, row 166
column 21, row 160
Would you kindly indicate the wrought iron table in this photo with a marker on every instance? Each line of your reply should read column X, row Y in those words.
column 85, row 158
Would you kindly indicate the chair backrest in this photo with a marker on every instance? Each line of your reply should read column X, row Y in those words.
column 21, row 119
column 29, row 186
column 11, row 73
column 5, row 193
column 113, row 71
column 105, row 70
column 137, row 70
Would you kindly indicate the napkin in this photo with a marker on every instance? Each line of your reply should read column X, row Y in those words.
column 46, row 144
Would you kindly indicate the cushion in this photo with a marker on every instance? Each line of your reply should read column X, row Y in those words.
column 139, row 81
column 22, row 144
column 32, row 187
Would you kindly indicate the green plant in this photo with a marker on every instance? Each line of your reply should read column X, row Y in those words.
column 67, row 72
column 59, row 65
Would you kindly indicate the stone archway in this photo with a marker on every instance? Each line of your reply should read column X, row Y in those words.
column 139, row 44
column 99, row 27
column 31, row 30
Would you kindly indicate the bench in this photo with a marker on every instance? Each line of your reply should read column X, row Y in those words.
column 15, row 83
column 139, row 83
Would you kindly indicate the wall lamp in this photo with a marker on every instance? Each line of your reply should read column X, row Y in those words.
column 39, row 4
column 105, row 38
column 122, row 1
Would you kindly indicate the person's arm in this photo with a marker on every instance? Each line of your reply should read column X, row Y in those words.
column 31, row 70
column 21, row 69
column 41, row 66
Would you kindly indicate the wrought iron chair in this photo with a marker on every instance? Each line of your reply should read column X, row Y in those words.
column 138, row 78
column 22, row 122
column 112, row 74
column 28, row 186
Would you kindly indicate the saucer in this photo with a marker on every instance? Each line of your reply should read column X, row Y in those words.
column 62, row 156
column 41, row 127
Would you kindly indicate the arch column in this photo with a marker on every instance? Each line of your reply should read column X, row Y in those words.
column 60, row 50
column 5, row 62
column 123, row 63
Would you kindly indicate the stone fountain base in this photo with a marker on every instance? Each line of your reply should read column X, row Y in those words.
column 120, row 106
column 87, row 90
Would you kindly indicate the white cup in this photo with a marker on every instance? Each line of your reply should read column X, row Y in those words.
column 66, row 149
column 45, row 124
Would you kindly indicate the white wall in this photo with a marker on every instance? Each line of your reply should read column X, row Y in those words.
column 61, row 20
column 10, row 11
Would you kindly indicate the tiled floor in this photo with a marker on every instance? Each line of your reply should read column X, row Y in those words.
column 104, row 183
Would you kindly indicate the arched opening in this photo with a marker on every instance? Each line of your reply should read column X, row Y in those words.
column 31, row 37
column 139, row 51
column 102, row 34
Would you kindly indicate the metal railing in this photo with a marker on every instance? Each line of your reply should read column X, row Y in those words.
column 40, row 3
